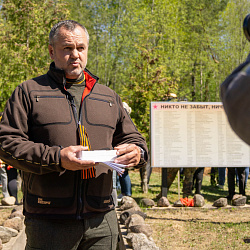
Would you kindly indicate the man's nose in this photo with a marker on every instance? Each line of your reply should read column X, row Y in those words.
column 74, row 53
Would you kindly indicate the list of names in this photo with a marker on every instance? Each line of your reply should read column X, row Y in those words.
column 185, row 134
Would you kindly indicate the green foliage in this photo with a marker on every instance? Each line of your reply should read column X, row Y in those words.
column 142, row 49
column 105, row 22
column 173, row 52
column 234, row 47
column 25, row 26
column 150, row 82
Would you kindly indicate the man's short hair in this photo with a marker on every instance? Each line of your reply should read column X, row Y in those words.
column 70, row 25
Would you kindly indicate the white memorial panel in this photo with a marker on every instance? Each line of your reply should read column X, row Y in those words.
column 189, row 134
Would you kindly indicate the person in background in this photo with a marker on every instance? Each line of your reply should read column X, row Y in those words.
column 246, row 177
column 188, row 174
column 3, row 174
column 126, row 187
column 231, row 181
column 114, row 191
column 124, row 179
column 214, row 177
column 47, row 122
column 12, row 175
column 145, row 173
column 4, row 179
column 222, row 177
column 197, row 180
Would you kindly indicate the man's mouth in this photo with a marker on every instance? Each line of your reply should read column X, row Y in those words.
column 75, row 64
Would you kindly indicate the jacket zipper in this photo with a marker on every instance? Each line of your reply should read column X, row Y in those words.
column 79, row 196
column 38, row 97
column 79, row 179
column 101, row 100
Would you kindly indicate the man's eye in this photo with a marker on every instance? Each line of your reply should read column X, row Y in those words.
column 67, row 48
column 81, row 48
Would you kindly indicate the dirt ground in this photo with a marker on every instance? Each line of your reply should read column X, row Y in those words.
column 4, row 214
column 203, row 228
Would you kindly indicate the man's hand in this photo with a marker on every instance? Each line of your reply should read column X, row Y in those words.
column 70, row 161
column 129, row 154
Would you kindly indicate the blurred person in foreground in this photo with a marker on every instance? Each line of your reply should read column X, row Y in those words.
column 47, row 121
column 235, row 94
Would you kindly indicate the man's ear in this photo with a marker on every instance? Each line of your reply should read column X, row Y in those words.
column 51, row 51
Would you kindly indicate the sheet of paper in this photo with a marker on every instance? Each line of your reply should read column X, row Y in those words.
column 98, row 155
column 105, row 156
column 119, row 168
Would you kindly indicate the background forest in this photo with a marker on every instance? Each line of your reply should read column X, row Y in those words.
column 143, row 49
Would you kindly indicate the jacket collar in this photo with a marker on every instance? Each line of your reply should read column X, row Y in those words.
column 58, row 75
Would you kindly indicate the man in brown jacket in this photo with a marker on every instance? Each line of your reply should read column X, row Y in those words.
column 47, row 121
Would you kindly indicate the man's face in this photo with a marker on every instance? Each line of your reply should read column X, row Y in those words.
column 70, row 51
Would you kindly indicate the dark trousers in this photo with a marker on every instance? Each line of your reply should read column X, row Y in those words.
column 197, row 180
column 231, row 181
column 12, row 182
column 97, row 232
column 125, row 182
column 214, row 176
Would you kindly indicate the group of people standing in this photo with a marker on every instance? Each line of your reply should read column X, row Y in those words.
column 192, row 179
column 236, row 177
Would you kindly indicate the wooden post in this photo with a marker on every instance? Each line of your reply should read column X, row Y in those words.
column 179, row 177
column 164, row 186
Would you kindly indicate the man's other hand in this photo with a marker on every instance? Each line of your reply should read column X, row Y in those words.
column 128, row 154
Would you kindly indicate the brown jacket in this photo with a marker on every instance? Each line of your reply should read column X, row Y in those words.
column 39, row 120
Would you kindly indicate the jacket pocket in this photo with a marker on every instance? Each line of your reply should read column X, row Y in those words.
column 100, row 204
column 51, row 190
column 98, row 197
column 101, row 111
column 48, row 202
column 50, row 108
